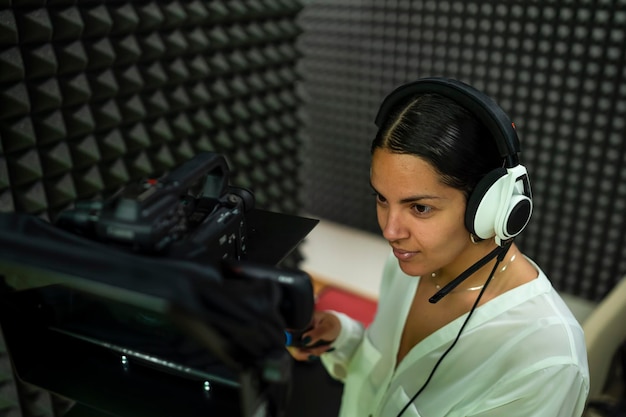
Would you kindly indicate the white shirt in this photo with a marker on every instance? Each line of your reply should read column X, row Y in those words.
column 522, row 354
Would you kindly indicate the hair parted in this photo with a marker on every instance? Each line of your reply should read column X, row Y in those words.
column 433, row 127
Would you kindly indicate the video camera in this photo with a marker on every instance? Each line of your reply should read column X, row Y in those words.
column 162, row 300
column 192, row 213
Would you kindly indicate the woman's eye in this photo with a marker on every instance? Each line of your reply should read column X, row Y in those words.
column 379, row 198
column 421, row 209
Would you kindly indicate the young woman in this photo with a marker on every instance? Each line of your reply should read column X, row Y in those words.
column 450, row 198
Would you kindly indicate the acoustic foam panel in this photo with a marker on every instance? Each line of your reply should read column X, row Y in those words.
column 94, row 95
column 558, row 68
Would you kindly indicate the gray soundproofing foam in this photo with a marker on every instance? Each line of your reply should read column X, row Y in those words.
column 94, row 95
column 559, row 70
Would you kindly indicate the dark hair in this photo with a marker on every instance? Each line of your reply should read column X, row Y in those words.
column 449, row 137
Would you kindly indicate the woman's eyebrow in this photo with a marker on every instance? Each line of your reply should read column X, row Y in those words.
column 411, row 199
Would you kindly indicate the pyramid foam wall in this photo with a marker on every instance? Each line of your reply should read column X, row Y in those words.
column 94, row 95
column 557, row 68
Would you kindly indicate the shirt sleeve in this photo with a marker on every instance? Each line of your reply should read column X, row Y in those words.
column 336, row 362
column 556, row 391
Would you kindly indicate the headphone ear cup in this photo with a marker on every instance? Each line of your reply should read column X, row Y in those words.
column 516, row 217
column 500, row 204
column 519, row 207
column 483, row 205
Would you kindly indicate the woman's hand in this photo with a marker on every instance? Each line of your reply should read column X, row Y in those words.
column 325, row 327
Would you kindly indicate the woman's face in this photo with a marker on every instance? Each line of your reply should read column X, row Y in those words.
column 422, row 218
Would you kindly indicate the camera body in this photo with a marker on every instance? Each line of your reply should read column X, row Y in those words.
column 153, row 216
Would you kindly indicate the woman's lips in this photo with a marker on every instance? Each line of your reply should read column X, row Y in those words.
column 403, row 255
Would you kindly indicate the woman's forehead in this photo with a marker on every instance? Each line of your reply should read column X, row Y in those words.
column 385, row 162
column 405, row 174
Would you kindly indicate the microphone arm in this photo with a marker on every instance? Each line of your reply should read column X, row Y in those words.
column 499, row 251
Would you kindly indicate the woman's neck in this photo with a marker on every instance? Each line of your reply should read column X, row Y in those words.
column 473, row 254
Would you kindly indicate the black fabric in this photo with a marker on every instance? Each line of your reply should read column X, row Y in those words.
column 175, row 320
column 228, row 305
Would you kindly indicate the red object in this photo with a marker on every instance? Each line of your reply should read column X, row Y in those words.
column 354, row 305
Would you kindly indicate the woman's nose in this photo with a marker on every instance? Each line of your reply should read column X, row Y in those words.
column 392, row 226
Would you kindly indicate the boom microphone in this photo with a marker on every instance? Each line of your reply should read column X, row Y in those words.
column 499, row 251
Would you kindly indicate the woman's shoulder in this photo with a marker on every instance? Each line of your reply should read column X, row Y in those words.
column 538, row 311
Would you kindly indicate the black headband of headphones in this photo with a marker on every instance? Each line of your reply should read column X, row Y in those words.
column 478, row 103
